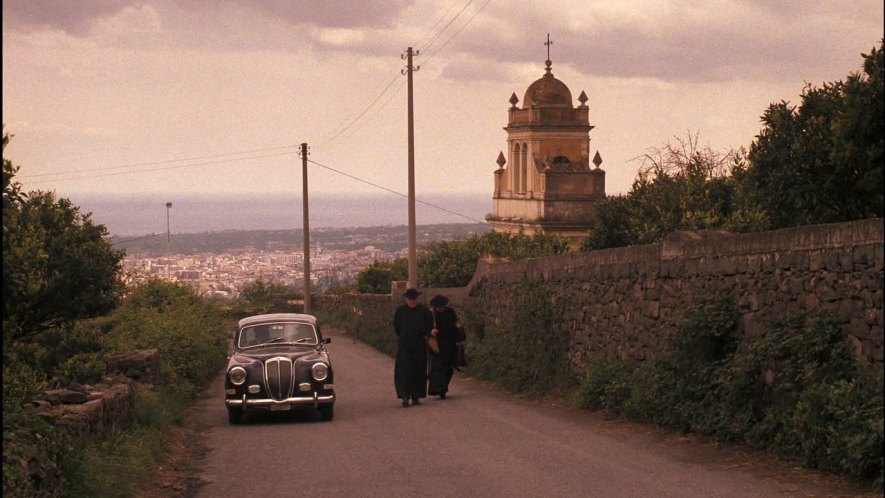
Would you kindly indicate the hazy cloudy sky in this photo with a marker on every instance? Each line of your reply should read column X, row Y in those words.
column 92, row 86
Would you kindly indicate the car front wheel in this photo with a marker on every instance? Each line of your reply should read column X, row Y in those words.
column 327, row 412
column 234, row 415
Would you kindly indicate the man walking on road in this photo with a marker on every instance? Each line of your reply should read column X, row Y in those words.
column 412, row 323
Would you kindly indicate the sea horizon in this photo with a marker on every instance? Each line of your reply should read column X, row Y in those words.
column 142, row 214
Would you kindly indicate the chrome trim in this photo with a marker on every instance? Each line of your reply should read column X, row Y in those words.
column 277, row 361
column 254, row 389
column 328, row 386
column 304, row 386
column 296, row 400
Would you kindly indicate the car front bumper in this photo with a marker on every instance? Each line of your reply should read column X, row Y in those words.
column 244, row 402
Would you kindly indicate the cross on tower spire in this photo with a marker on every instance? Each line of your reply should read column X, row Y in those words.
column 548, row 43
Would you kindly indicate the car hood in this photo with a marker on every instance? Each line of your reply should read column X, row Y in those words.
column 262, row 354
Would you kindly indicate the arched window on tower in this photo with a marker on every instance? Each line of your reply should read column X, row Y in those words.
column 524, row 167
column 514, row 177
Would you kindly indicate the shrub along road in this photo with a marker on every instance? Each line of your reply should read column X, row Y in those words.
column 479, row 442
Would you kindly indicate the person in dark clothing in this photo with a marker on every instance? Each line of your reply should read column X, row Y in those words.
column 413, row 324
column 442, row 364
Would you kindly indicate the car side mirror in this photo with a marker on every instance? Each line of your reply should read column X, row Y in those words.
column 327, row 340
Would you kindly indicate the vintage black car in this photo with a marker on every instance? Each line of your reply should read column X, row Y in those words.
column 279, row 363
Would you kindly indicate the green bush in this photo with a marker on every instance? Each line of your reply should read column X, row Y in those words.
column 529, row 352
column 381, row 338
column 797, row 389
column 187, row 329
column 607, row 383
column 32, row 450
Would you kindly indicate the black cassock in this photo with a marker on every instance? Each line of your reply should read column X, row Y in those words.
column 442, row 365
column 412, row 327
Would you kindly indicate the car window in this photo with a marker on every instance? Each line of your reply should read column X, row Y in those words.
column 277, row 333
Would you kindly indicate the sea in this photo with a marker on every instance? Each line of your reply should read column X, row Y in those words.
column 143, row 214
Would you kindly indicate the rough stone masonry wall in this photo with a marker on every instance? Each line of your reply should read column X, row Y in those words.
column 617, row 299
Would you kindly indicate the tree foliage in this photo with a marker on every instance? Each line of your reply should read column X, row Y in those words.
column 57, row 266
column 451, row 263
column 376, row 278
column 680, row 186
column 261, row 292
column 821, row 161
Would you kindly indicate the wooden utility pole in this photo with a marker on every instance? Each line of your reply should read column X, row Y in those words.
column 413, row 253
column 307, row 307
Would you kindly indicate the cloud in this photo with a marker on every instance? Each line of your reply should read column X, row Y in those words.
column 74, row 18
column 672, row 41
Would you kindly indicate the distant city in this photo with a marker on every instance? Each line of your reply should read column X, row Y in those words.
column 219, row 264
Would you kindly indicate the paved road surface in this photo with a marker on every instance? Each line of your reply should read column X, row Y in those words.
column 479, row 442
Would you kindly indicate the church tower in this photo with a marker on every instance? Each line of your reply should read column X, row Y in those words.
column 546, row 183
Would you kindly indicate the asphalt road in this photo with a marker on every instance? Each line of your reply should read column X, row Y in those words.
column 479, row 442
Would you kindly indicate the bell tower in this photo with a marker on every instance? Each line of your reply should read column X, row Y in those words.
column 546, row 183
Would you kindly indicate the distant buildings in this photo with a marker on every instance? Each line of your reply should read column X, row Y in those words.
column 225, row 274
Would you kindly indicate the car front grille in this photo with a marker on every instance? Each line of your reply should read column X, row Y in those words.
column 279, row 377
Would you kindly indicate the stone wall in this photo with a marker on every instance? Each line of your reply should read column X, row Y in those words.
column 89, row 411
column 617, row 299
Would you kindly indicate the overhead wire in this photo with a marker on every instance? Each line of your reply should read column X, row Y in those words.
column 118, row 173
column 367, row 182
column 457, row 32
column 441, row 31
column 112, row 241
column 166, row 161
column 337, row 134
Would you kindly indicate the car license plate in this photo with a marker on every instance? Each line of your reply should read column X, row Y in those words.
column 280, row 408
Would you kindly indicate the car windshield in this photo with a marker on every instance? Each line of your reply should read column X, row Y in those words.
column 277, row 333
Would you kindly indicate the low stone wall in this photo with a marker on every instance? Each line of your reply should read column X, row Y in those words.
column 88, row 411
column 616, row 300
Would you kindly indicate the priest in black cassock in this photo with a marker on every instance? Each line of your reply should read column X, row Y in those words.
column 412, row 323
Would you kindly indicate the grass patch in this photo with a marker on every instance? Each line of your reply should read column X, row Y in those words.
column 119, row 464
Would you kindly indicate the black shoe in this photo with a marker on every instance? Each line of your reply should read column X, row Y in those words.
column 405, row 402
column 442, row 396
column 416, row 401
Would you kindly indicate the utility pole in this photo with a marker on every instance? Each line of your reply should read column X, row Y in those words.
column 168, row 237
column 306, row 229
column 413, row 258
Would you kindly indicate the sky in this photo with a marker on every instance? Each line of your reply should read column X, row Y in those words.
column 202, row 97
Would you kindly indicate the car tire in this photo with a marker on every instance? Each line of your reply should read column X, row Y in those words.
column 234, row 416
column 327, row 412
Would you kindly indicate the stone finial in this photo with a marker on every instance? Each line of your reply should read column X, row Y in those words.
column 583, row 99
column 513, row 100
column 501, row 161
column 597, row 159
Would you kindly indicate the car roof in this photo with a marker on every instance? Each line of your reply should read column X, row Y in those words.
column 278, row 318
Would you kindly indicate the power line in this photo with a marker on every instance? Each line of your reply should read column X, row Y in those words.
column 440, row 32
column 457, row 32
column 164, row 169
column 136, row 238
column 393, row 80
column 393, row 191
column 163, row 162
column 443, row 16
column 336, row 135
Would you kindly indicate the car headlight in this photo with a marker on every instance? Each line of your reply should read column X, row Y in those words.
column 319, row 371
column 237, row 376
